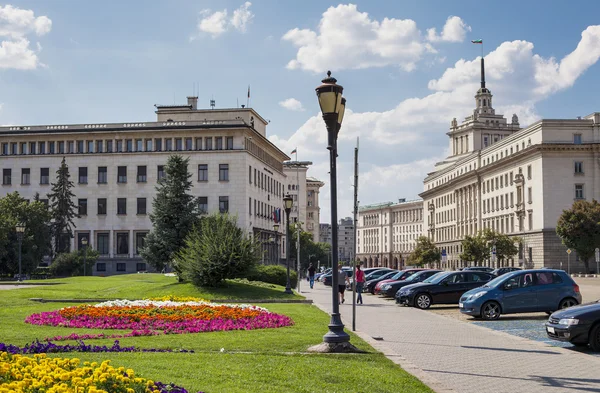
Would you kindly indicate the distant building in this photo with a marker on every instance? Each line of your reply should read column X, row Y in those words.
column 346, row 240
column 325, row 233
column 313, row 210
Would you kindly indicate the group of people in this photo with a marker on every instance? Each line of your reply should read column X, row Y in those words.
column 343, row 280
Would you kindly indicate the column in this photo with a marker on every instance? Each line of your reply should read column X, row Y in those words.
column 111, row 243
column 131, row 241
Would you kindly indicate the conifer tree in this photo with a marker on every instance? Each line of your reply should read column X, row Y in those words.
column 174, row 213
column 63, row 209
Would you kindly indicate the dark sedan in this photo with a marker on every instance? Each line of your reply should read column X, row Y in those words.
column 579, row 325
column 442, row 288
column 373, row 279
column 389, row 289
column 503, row 270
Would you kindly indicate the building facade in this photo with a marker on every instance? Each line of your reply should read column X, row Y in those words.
column 346, row 240
column 513, row 180
column 325, row 233
column 387, row 232
column 116, row 167
column 313, row 210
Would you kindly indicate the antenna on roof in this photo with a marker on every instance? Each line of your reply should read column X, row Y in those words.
column 212, row 102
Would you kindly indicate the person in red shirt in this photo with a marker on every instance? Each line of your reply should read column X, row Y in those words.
column 360, row 282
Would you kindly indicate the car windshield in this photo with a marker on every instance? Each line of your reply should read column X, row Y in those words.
column 415, row 277
column 436, row 278
column 497, row 281
column 388, row 275
column 397, row 275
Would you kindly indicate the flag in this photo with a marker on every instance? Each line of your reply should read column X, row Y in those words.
column 248, row 91
column 477, row 41
column 294, row 151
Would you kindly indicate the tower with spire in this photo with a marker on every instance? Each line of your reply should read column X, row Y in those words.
column 483, row 128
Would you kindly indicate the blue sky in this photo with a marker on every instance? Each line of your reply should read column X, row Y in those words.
column 72, row 62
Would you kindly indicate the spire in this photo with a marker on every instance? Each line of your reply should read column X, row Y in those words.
column 482, row 74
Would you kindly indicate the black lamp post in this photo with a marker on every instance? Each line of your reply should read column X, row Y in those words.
column 288, row 202
column 276, row 229
column 20, row 228
column 333, row 106
column 84, row 242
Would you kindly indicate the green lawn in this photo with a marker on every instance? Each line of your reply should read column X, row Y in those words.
column 267, row 360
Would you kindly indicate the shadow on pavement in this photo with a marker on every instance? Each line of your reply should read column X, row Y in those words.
column 512, row 350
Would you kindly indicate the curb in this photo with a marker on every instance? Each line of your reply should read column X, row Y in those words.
column 264, row 301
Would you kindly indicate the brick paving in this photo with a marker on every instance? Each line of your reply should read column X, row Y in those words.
column 451, row 355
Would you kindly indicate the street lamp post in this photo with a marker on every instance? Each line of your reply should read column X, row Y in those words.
column 333, row 106
column 84, row 242
column 288, row 202
column 20, row 228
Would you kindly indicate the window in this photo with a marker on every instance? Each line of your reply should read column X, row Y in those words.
column 141, row 206
column 223, row 204
column 129, row 145
column 102, row 175
column 122, row 174
column 223, row 172
column 203, row 205
column 44, row 175
column 121, row 206
column 577, row 139
column 140, row 239
column 486, row 141
column 82, row 206
column 158, row 144
column 32, row 147
column 139, row 145
column 25, row 176
column 250, row 206
column 23, row 147
column 578, row 191
column 101, row 266
column 102, row 243
column 141, row 174
column 530, row 219
column 160, row 172
column 80, row 147
column 208, row 143
column 188, row 144
column 219, row 143
column 71, row 147
column 229, row 143
column 51, row 147
column 198, row 143
column 203, row 172
column 178, row 144
column 148, row 144
column 119, row 146
column 99, row 145
column 140, row 266
column 121, row 266
column 529, row 171
column 102, row 206
column 83, row 175
column 109, row 146
column 544, row 278
column 5, row 149
column 14, row 148
column 249, row 175
column 578, row 167
column 168, row 144
column 90, row 146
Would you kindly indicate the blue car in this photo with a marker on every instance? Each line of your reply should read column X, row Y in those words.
column 521, row 291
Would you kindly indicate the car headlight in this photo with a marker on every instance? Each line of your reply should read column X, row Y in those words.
column 568, row 321
column 477, row 295
column 386, row 287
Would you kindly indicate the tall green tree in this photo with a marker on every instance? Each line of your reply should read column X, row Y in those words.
column 174, row 213
column 63, row 209
column 478, row 248
column 475, row 249
column 425, row 252
column 37, row 238
column 309, row 250
column 579, row 229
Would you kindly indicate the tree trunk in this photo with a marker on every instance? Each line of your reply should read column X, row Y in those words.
column 586, row 263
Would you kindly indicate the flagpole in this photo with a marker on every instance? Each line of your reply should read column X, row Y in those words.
column 298, row 226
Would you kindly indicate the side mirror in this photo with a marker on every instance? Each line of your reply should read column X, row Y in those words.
column 508, row 286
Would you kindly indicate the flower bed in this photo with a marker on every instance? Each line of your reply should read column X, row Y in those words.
column 24, row 374
column 49, row 347
column 152, row 317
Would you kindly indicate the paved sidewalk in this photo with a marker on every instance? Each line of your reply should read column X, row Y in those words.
column 461, row 357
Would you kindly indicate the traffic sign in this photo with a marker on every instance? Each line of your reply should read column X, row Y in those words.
column 444, row 256
column 568, row 250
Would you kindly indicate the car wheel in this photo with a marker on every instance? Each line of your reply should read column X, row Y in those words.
column 595, row 338
column 566, row 303
column 423, row 301
column 580, row 344
column 490, row 311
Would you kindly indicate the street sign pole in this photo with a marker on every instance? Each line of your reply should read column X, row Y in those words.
column 597, row 261
column 569, row 261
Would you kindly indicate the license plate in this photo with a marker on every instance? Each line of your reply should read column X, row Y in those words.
column 460, row 305
column 550, row 329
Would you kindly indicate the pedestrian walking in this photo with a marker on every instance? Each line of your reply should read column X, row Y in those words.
column 311, row 275
column 360, row 283
column 342, row 281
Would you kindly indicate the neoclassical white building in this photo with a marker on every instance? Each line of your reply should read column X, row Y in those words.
column 116, row 166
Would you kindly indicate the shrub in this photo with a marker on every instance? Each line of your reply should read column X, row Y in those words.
column 71, row 264
column 216, row 249
column 273, row 274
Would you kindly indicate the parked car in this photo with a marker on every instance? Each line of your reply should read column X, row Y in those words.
column 372, row 279
column 478, row 269
column 503, row 270
column 521, row 291
column 400, row 276
column 579, row 325
column 443, row 288
column 367, row 271
column 390, row 288
column 327, row 278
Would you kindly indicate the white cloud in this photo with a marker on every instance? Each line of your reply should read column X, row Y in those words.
column 292, row 104
column 455, row 30
column 349, row 39
column 219, row 22
column 16, row 24
column 400, row 145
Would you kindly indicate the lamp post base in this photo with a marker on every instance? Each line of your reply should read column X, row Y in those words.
column 344, row 347
column 288, row 291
